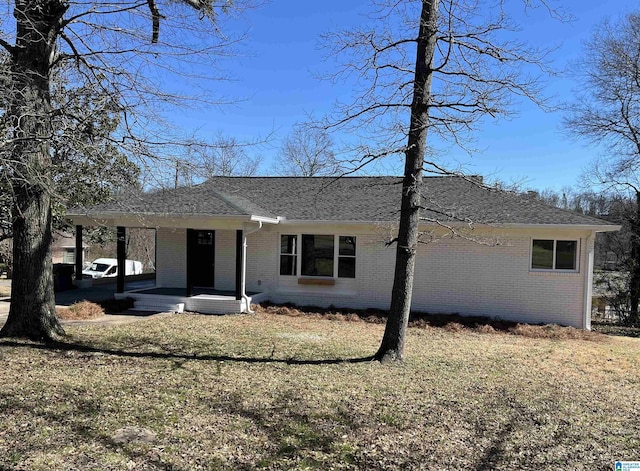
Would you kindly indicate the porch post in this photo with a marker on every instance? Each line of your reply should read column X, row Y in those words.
column 189, row 245
column 79, row 253
column 121, row 255
column 239, row 264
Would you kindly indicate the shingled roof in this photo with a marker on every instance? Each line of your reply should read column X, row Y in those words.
column 346, row 199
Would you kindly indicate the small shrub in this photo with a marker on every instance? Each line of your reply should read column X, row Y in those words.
column 553, row 331
column 332, row 316
column 353, row 317
column 454, row 327
column 485, row 329
column 82, row 310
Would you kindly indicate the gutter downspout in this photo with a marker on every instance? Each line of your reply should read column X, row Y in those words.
column 243, row 284
column 588, row 282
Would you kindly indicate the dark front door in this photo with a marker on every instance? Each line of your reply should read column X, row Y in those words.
column 200, row 258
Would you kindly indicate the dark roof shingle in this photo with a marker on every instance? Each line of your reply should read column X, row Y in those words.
column 353, row 199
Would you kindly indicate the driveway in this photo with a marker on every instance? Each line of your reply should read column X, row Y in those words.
column 95, row 294
column 4, row 310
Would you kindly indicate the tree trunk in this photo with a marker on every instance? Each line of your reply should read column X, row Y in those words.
column 634, row 282
column 392, row 345
column 32, row 312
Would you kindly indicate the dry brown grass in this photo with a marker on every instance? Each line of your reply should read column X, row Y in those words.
column 5, row 291
column 82, row 310
column 296, row 392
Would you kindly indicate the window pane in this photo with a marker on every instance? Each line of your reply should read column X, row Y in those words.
column 205, row 237
column 287, row 264
column 542, row 254
column 288, row 244
column 566, row 254
column 347, row 267
column 347, row 245
column 317, row 255
column 69, row 256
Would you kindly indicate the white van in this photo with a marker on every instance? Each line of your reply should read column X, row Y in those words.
column 108, row 267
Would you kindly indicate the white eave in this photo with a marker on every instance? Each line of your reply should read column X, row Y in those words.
column 90, row 217
column 95, row 217
column 266, row 220
column 587, row 227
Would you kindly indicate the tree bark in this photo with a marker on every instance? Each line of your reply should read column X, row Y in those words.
column 32, row 312
column 392, row 345
column 634, row 282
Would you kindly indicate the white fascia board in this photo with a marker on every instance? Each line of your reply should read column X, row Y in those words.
column 309, row 222
column 587, row 227
column 89, row 218
column 265, row 220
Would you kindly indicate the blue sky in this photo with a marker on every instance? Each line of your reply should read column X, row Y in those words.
column 275, row 79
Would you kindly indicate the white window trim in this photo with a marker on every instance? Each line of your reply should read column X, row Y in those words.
column 295, row 254
column 336, row 256
column 555, row 242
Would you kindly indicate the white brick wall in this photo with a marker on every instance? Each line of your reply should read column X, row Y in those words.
column 457, row 275
column 262, row 261
column 461, row 276
column 452, row 275
column 171, row 258
column 225, row 260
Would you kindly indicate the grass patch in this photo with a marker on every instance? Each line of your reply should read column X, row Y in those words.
column 297, row 392
column 5, row 291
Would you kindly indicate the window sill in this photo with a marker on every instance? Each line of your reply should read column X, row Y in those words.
column 317, row 281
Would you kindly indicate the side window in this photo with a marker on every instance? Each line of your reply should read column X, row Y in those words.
column 542, row 254
column 347, row 257
column 549, row 254
column 69, row 255
column 288, row 254
column 566, row 254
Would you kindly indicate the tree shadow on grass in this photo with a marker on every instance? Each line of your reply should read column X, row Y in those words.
column 88, row 349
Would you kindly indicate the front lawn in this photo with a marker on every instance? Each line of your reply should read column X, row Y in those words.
column 280, row 392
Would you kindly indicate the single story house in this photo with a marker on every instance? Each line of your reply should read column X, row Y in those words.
column 63, row 249
column 323, row 241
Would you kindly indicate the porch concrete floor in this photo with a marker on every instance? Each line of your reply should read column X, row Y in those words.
column 183, row 292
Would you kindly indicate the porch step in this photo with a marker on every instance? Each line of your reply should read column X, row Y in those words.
column 152, row 305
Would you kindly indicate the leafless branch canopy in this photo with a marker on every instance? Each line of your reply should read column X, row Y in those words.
column 607, row 110
column 113, row 69
column 308, row 152
column 480, row 70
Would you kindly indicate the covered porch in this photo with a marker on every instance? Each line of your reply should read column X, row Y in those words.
column 201, row 265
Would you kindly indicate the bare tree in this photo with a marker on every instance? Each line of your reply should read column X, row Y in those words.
column 307, row 151
column 225, row 156
column 445, row 65
column 607, row 112
column 107, row 50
